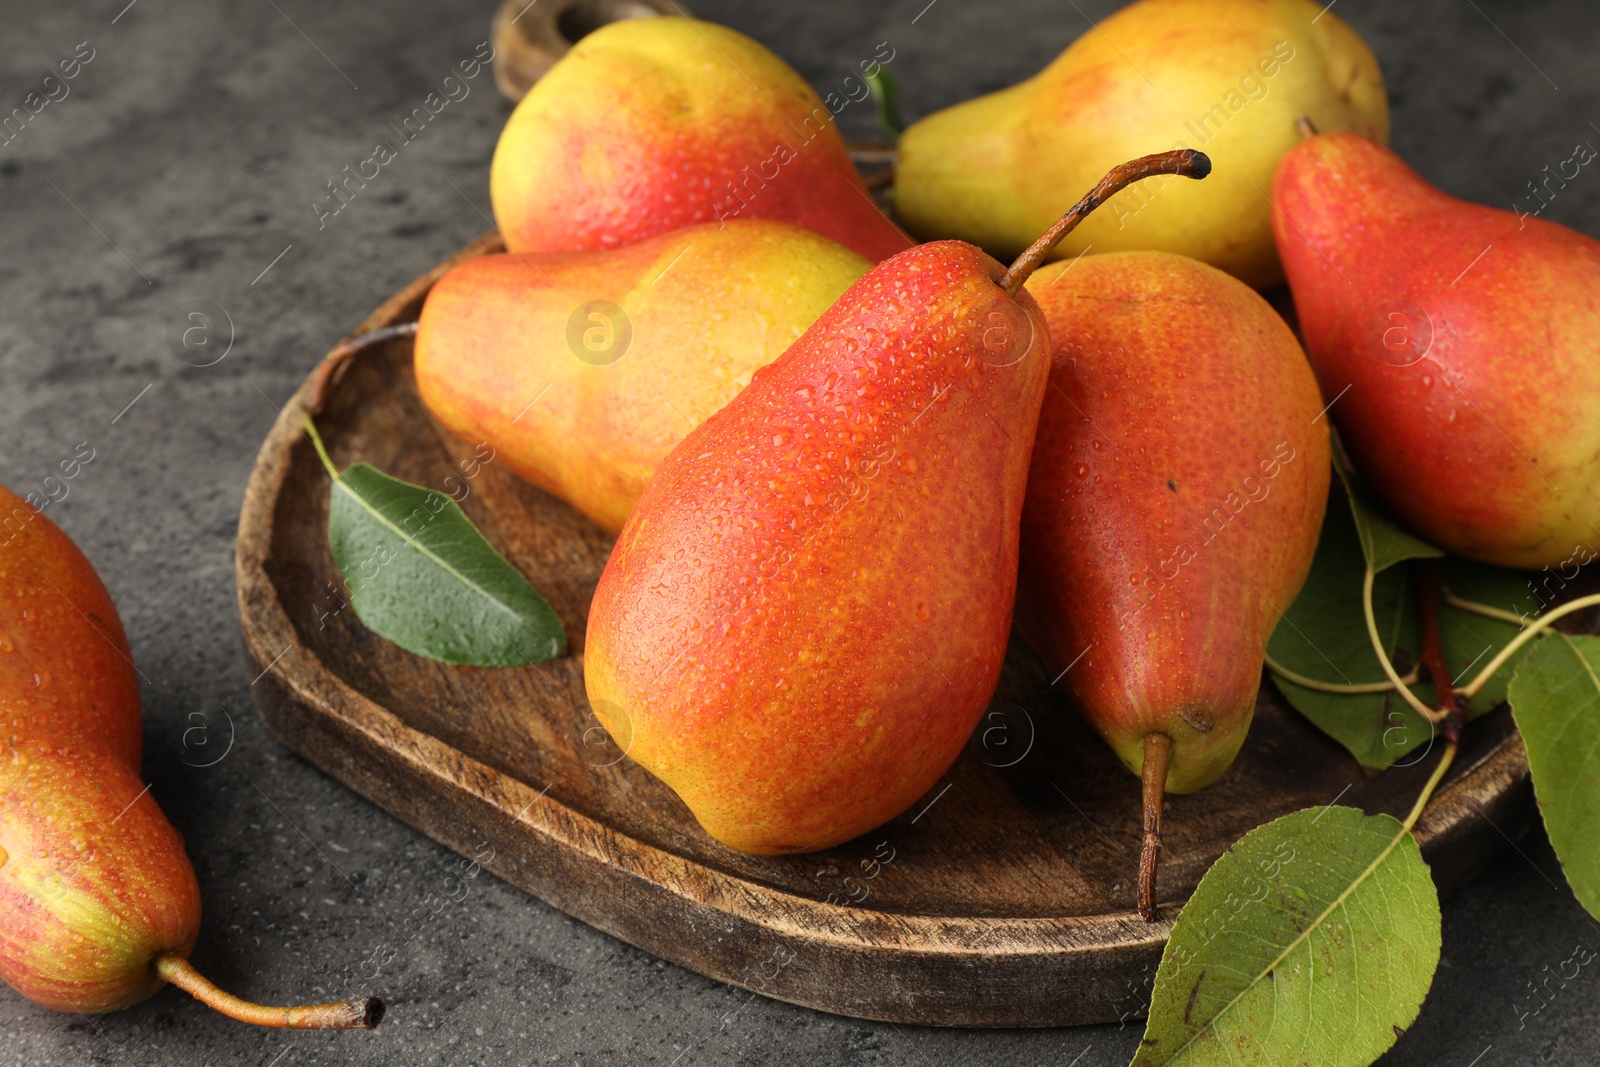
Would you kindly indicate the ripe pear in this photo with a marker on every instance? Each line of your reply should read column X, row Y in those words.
column 1178, row 485
column 1459, row 346
column 650, row 125
column 94, row 884
column 806, row 613
column 1230, row 77
column 583, row 369
column 98, row 903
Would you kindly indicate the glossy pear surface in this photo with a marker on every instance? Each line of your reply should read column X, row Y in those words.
column 582, row 370
column 650, row 125
column 1178, row 485
column 1229, row 77
column 94, row 882
column 805, row 616
column 1460, row 346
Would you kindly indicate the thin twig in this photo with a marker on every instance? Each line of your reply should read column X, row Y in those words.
column 1383, row 656
column 1533, row 629
column 1305, row 681
column 1454, row 708
column 1484, row 609
column 1447, row 758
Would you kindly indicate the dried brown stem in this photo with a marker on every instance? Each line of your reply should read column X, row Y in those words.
column 322, row 377
column 361, row 1014
column 1157, row 754
column 1185, row 162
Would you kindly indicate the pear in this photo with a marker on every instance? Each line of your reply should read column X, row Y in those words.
column 1230, row 77
column 650, row 125
column 99, row 906
column 1178, row 485
column 582, row 370
column 1459, row 346
column 807, row 610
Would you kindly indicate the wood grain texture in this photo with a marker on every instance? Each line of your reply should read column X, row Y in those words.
column 1009, row 897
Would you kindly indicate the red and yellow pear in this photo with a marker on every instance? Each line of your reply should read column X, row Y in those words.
column 583, row 369
column 98, row 903
column 806, row 613
column 1178, row 485
column 1459, row 346
column 650, row 125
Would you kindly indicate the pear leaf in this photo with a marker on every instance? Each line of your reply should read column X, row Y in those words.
column 1323, row 636
column 420, row 574
column 1314, row 939
column 1555, row 698
column 1470, row 640
column 886, row 96
column 1384, row 542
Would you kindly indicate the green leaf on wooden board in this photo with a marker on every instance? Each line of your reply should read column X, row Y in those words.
column 1555, row 698
column 1323, row 636
column 1313, row 940
column 420, row 574
column 1384, row 542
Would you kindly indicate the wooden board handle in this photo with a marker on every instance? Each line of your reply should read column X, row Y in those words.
column 529, row 38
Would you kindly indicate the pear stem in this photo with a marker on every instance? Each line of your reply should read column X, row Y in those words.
column 1185, row 162
column 1383, row 656
column 363, row 1013
column 1534, row 629
column 1434, row 779
column 1157, row 753
column 322, row 379
column 1429, row 592
column 1344, row 688
column 1486, row 610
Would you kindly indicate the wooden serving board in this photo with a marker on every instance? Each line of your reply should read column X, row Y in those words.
column 1002, row 898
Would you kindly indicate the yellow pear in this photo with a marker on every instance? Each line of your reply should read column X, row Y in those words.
column 1229, row 77
column 582, row 370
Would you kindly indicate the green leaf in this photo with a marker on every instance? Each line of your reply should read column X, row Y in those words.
column 1555, row 698
column 1311, row 941
column 420, row 574
column 1323, row 635
column 886, row 95
column 1384, row 542
column 1471, row 640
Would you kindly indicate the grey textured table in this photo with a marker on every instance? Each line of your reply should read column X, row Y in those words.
column 182, row 167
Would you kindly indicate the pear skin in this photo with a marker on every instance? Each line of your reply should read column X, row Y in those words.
column 806, row 613
column 650, row 125
column 1176, row 495
column 805, row 616
column 99, row 906
column 94, row 882
column 1460, row 346
column 582, row 370
column 1230, row 77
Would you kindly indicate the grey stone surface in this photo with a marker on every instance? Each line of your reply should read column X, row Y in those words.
column 185, row 161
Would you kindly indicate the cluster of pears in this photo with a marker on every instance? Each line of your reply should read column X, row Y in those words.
column 831, row 454
column 675, row 217
column 838, row 461
column 816, row 441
